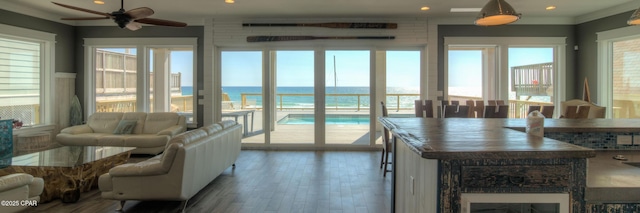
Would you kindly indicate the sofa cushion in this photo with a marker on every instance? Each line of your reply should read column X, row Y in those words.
column 212, row 129
column 84, row 139
column 186, row 138
column 227, row 123
column 125, row 127
column 146, row 140
column 140, row 117
column 104, row 122
column 158, row 121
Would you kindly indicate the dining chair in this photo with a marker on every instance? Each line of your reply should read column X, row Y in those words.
column 456, row 111
column 576, row 112
column 547, row 111
column 594, row 111
column 386, row 143
column 534, row 108
column 445, row 103
column 500, row 111
column 495, row 102
column 424, row 108
column 476, row 108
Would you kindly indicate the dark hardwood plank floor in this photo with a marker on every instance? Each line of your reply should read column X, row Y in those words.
column 271, row 181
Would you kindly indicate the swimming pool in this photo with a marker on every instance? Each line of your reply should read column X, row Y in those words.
column 330, row 119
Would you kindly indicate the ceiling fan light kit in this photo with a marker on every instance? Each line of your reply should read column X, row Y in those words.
column 497, row 12
column 129, row 19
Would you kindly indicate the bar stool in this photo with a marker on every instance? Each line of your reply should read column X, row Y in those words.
column 386, row 142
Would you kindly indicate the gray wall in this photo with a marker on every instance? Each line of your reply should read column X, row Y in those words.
column 146, row 31
column 65, row 36
column 510, row 31
column 587, row 54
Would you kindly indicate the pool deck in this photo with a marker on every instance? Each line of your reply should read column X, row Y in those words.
column 304, row 133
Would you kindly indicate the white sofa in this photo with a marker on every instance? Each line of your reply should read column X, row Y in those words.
column 190, row 161
column 150, row 134
column 19, row 187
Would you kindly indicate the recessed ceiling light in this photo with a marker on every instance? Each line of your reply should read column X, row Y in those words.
column 551, row 7
column 229, row 1
column 465, row 10
column 425, row 8
column 98, row 2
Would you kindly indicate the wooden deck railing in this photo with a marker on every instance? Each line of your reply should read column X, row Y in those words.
column 517, row 108
column 532, row 80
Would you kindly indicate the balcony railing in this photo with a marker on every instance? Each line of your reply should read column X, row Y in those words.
column 517, row 108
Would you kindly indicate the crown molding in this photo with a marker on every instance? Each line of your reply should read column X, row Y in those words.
column 621, row 8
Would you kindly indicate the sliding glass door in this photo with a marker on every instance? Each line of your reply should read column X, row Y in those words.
column 347, row 96
column 242, row 92
column 294, row 98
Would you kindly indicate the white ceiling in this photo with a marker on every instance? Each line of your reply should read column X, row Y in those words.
column 195, row 11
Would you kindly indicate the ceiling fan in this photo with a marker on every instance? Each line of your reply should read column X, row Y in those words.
column 130, row 19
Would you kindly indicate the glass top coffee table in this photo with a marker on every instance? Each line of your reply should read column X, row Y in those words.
column 68, row 170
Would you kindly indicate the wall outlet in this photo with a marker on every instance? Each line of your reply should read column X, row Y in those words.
column 624, row 139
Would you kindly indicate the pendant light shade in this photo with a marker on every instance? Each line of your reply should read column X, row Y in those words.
column 497, row 12
column 635, row 18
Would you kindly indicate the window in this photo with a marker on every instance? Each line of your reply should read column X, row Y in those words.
column 618, row 51
column 25, row 75
column 141, row 75
column 522, row 71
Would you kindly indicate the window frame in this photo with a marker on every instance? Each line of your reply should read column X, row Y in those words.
column 47, row 63
column 605, row 41
column 502, row 55
column 142, row 45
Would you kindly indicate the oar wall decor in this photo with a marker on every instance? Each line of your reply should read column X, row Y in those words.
column 345, row 25
column 300, row 38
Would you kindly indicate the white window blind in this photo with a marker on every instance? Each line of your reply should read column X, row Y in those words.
column 20, row 70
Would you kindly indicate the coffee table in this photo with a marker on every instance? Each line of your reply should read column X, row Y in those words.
column 68, row 170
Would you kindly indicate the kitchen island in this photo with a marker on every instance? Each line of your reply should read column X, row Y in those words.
column 437, row 162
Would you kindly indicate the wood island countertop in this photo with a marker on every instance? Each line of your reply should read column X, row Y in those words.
column 478, row 138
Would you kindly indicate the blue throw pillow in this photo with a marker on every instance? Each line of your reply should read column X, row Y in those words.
column 125, row 127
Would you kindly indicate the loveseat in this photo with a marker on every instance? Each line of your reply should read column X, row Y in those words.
column 189, row 162
column 149, row 132
column 19, row 191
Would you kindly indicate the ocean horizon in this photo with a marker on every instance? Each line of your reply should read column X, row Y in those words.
column 296, row 101
column 235, row 94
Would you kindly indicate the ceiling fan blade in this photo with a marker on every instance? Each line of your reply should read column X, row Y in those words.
column 161, row 22
column 83, row 10
column 86, row 18
column 139, row 13
column 133, row 26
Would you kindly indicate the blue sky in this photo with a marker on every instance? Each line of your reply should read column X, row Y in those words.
column 295, row 68
column 465, row 66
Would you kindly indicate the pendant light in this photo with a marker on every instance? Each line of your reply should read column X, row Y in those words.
column 496, row 12
column 635, row 18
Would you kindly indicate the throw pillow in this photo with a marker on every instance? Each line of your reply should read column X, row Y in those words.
column 125, row 127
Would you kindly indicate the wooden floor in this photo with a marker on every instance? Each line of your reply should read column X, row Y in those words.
column 272, row 181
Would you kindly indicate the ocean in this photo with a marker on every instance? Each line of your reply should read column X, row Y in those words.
column 341, row 101
column 331, row 101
